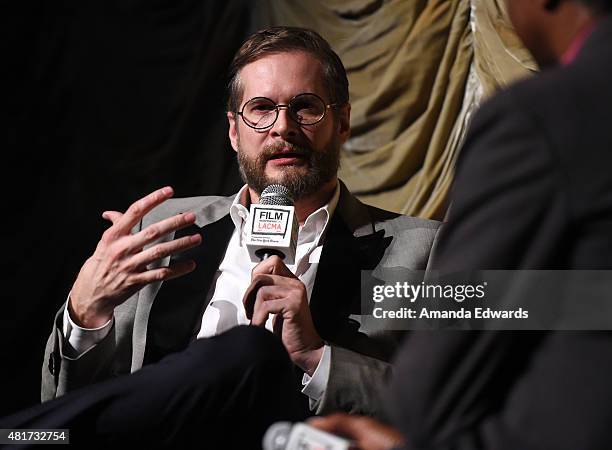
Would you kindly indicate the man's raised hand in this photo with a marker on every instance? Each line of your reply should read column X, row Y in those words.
column 118, row 267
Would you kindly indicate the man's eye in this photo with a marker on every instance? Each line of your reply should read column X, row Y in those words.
column 260, row 108
column 263, row 108
column 304, row 106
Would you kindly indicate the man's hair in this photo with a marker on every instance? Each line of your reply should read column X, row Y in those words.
column 276, row 40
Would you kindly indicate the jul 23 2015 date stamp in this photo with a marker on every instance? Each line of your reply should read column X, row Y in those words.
column 34, row 436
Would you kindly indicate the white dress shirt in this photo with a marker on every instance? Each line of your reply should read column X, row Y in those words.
column 225, row 309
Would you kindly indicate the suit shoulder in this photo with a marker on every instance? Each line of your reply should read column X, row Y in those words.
column 544, row 96
column 401, row 221
column 406, row 228
column 413, row 223
column 196, row 205
column 412, row 238
column 511, row 116
column 528, row 93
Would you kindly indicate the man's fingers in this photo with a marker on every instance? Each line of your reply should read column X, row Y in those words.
column 159, row 229
column 248, row 300
column 277, row 324
column 113, row 216
column 332, row 423
column 260, row 314
column 273, row 265
column 174, row 270
column 342, row 424
column 164, row 249
column 250, row 295
column 368, row 433
column 270, row 300
column 139, row 208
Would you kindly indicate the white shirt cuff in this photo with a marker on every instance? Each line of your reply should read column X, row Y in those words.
column 78, row 340
column 314, row 387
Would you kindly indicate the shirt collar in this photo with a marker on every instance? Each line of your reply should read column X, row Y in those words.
column 239, row 209
column 317, row 222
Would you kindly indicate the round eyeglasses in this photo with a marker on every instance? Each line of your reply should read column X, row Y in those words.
column 306, row 109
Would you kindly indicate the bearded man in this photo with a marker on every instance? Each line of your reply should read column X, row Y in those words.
column 167, row 285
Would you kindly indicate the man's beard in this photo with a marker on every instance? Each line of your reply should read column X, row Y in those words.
column 321, row 167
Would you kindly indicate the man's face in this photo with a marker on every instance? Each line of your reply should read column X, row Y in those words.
column 304, row 158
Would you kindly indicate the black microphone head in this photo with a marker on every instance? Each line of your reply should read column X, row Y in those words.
column 276, row 194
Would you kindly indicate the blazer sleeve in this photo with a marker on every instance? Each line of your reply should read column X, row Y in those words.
column 62, row 373
column 110, row 357
column 356, row 383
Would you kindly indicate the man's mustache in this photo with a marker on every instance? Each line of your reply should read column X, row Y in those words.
column 274, row 150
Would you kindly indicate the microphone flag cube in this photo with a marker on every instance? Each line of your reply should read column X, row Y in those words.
column 273, row 229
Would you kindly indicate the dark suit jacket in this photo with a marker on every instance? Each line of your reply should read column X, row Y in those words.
column 533, row 191
column 162, row 318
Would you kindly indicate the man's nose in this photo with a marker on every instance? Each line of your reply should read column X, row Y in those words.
column 284, row 126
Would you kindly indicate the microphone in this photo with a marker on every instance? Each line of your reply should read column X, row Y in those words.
column 273, row 226
column 300, row 436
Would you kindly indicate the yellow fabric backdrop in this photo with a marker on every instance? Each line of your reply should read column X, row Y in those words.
column 417, row 70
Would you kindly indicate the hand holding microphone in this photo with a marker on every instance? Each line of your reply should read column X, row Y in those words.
column 274, row 289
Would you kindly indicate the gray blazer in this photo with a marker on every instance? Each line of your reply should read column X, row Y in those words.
column 359, row 238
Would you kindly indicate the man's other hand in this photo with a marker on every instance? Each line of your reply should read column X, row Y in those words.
column 118, row 267
column 365, row 432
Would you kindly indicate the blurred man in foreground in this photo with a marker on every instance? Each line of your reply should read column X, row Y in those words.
column 533, row 191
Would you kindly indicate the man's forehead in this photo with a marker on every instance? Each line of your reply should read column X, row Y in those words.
column 282, row 74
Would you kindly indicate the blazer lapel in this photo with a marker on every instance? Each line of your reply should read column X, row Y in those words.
column 337, row 290
column 179, row 302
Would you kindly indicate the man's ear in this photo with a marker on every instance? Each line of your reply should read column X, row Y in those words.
column 233, row 130
column 344, row 122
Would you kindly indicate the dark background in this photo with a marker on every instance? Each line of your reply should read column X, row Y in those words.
column 105, row 101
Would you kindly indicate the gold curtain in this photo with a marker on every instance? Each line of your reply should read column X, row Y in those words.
column 499, row 56
column 417, row 70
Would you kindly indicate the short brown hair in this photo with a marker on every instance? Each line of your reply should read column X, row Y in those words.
column 286, row 39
